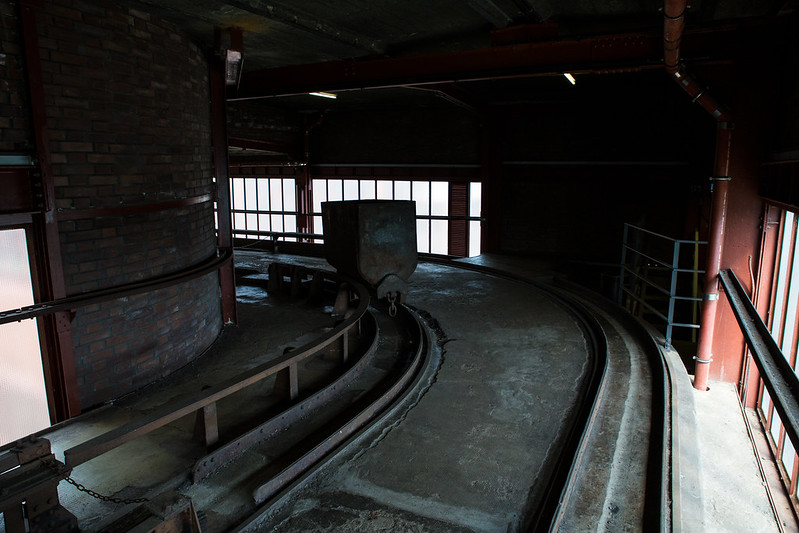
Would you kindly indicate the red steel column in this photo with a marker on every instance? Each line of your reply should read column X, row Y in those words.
column 718, row 220
column 227, row 280
column 58, row 354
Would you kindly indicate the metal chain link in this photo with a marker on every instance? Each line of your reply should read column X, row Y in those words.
column 90, row 492
column 392, row 307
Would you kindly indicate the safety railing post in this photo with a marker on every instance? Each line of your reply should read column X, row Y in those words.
column 675, row 265
column 623, row 265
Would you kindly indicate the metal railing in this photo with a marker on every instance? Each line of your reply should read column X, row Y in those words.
column 775, row 370
column 643, row 268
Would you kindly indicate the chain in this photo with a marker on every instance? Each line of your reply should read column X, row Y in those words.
column 392, row 306
column 90, row 492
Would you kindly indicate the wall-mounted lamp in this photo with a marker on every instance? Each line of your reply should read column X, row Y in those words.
column 229, row 46
column 570, row 78
column 324, row 95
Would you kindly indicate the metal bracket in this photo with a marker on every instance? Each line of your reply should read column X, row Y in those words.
column 711, row 296
column 700, row 360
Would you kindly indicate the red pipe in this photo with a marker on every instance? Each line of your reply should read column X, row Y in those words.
column 673, row 28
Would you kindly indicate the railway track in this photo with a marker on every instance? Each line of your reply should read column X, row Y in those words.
column 607, row 469
column 611, row 471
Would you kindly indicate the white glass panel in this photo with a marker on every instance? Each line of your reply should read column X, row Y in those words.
column 385, row 190
column 368, row 190
column 23, row 397
column 421, row 195
column 782, row 277
column 317, row 228
column 237, row 199
column 439, row 237
column 788, row 453
column 402, row 190
column 423, row 236
column 290, row 222
column 276, row 194
column 319, row 189
column 277, row 222
column 250, row 194
column 790, row 309
column 263, row 221
column 765, row 402
column 334, row 190
column 439, row 192
column 474, row 238
column 350, row 190
column 239, row 221
column 289, row 195
column 776, row 423
column 252, row 221
column 263, row 194
column 475, row 199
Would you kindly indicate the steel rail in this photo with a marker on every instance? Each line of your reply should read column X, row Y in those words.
column 547, row 515
column 356, row 423
column 197, row 401
column 69, row 303
column 374, row 408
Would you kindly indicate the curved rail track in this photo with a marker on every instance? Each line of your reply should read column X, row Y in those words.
column 395, row 365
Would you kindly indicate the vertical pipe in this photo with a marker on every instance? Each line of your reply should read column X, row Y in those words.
column 718, row 221
column 673, row 27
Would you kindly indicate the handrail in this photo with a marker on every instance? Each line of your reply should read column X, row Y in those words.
column 208, row 265
column 778, row 376
column 279, row 234
column 666, row 237
column 194, row 402
column 673, row 269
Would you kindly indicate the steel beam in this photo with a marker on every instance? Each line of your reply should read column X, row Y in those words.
column 308, row 24
column 227, row 278
column 264, row 145
column 628, row 51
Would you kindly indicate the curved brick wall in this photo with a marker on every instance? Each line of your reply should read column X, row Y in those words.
column 127, row 102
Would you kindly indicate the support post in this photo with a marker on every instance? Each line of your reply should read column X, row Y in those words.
column 227, row 279
column 718, row 221
column 206, row 427
column 57, row 349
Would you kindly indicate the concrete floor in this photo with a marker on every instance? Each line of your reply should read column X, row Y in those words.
column 465, row 450
column 735, row 498
column 467, row 454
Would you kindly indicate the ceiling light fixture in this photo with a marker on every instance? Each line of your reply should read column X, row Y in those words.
column 570, row 78
column 324, row 95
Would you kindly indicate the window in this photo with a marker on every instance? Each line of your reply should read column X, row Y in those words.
column 783, row 325
column 261, row 206
column 435, row 216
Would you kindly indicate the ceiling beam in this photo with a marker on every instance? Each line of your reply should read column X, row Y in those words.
column 308, row 24
column 489, row 10
column 622, row 52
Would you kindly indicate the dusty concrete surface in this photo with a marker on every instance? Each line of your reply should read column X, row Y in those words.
column 473, row 452
column 735, row 496
column 466, row 454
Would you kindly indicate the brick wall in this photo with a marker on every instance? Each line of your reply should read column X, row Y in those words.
column 127, row 102
column 15, row 128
